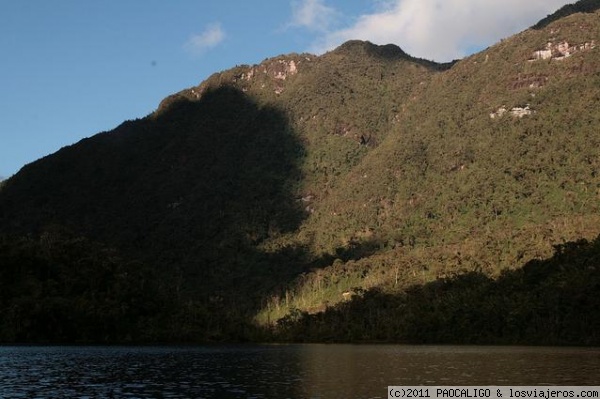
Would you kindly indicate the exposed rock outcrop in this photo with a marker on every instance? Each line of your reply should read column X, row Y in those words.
column 271, row 74
column 561, row 50
column 517, row 112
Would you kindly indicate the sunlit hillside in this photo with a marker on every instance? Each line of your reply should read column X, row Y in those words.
column 322, row 197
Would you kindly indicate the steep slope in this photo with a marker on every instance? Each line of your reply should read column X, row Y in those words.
column 275, row 191
column 505, row 118
column 493, row 162
column 187, row 194
column 346, row 97
column 208, row 192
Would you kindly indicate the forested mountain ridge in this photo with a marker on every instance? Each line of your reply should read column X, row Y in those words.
column 277, row 200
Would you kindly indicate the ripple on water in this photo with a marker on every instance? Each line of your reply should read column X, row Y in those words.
column 266, row 371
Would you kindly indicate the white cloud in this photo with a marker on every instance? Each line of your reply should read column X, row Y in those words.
column 313, row 15
column 212, row 35
column 441, row 30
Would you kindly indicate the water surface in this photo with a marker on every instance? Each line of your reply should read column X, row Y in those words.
column 280, row 371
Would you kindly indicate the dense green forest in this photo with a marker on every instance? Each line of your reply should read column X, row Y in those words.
column 550, row 301
column 362, row 195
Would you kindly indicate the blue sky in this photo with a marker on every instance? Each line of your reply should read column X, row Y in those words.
column 72, row 68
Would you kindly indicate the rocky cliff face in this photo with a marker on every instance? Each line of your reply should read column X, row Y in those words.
column 561, row 50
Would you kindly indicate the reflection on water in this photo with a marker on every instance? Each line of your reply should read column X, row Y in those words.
column 280, row 371
column 448, row 365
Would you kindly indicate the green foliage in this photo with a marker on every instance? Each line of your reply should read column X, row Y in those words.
column 63, row 289
column 545, row 302
column 261, row 196
column 587, row 6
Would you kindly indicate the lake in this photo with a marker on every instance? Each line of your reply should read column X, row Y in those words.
column 280, row 371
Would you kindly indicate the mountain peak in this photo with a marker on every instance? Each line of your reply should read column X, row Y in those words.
column 388, row 51
column 324, row 184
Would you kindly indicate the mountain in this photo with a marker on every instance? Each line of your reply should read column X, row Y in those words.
column 280, row 200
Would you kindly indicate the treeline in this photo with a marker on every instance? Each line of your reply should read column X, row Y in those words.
column 587, row 6
column 60, row 288
column 67, row 289
column 55, row 289
column 552, row 301
column 368, row 172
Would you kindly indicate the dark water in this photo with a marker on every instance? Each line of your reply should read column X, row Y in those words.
column 280, row 371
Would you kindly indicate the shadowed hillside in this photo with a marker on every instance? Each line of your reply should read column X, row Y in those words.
column 262, row 200
column 183, row 199
column 223, row 161
column 550, row 301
